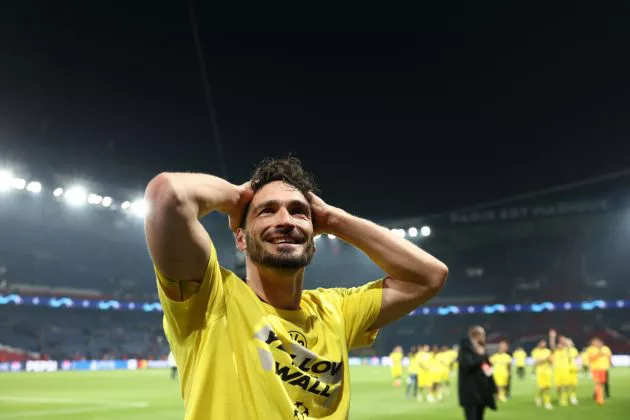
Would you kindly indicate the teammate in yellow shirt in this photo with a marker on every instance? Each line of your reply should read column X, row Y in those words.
column 542, row 368
column 396, row 357
column 599, row 355
column 501, row 366
column 573, row 371
column 520, row 358
column 262, row 347
column 561, row 366
column 436, row 370
column 423, row 361
column 412, row 374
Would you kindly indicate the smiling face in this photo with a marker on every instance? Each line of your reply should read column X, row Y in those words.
column 278, row 231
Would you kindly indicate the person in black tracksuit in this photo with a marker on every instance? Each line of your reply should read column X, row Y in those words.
column 476, row 387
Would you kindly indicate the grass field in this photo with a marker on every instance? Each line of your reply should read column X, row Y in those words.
column 150, row 394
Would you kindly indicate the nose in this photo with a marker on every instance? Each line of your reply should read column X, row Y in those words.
column 284, row 220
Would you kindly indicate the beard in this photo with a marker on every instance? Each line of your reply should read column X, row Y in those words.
column 281, row 259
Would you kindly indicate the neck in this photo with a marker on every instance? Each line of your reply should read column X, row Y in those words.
column 279, row 288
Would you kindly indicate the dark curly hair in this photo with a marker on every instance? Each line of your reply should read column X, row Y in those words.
column 288, row 170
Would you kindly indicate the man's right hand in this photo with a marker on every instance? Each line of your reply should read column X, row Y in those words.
column 237, row 212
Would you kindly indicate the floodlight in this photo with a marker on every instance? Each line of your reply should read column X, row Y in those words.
column 107, row 201
column 331, row 236
column 139, row 208
column 425, row 231
column 58, row 192
column 19, row 183
column 34, row 187
column 6, row 180
column 94, row 199
column 76, row 196
column 413, row 232
column 125, row 205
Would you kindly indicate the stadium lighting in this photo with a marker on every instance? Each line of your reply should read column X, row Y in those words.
column 107, row 201
column 399, row 232
column 58, row 192
column 425, row 231
column 6, row 179
column 331, row 236
column 19, row 183
column 34, row 187
column 125, row 205
column 413, row 232
column 76, row 196
column 317, row 237
column 139, row 208
column 94, row 199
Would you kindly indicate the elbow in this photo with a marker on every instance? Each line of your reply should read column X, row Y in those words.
column 162, row 192
column 438, row 276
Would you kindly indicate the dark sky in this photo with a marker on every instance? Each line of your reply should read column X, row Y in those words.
column 392, row 124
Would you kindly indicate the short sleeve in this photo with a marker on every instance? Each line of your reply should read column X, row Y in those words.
column 360, row 307
column 201, row 302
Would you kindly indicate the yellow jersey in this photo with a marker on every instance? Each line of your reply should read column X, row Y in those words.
column 423, row 360
column 519, row 358
column 240, row 358
column 501, row 363
column 396, row 358
column 560, row 359
column 600, row 358
column 541, row 360
column 444, row 359
column 413, row 364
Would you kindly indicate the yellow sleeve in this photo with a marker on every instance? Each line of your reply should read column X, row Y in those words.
column 360, row 306
column 200, row 303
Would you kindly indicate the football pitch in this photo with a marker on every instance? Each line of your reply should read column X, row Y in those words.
column 151, row 394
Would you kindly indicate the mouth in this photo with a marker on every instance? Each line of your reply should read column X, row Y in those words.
column 284, row 240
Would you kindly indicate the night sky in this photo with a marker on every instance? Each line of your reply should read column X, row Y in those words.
column 392, row 124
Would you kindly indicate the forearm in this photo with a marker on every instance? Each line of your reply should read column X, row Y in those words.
column 196, row 193
column 398, row 257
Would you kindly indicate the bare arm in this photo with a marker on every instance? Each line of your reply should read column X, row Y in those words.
column 178, row 243
column 414, row 276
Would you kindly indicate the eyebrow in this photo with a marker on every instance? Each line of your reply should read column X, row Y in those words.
column 276, row 203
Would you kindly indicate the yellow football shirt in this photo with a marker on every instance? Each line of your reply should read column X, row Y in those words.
column 542, row 355
column 396, row 358
column 600, row 358
column 423, row 360
column 240, row 358
column 519, row 358
column 560, row 359
column 501, row 363
column 573, row 355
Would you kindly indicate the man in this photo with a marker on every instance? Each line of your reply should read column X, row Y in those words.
column 501, row 366
column 395, row 358
column 573, row 371
column 561, row 366
column 476, row 387
column 599, row 356
column 445, row 359
column 423, row 360
column 542, row 368
column 262, row 347
column 412, row 374
column 436, row 369
column 520, row 358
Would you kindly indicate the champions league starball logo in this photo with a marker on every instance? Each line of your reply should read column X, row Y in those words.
column 300, row 411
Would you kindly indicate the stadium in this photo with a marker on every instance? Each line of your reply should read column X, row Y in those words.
column 207, row 224
column 73, row 324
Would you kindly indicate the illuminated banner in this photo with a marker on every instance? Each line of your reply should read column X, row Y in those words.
column 495, row 308
column 525, row 212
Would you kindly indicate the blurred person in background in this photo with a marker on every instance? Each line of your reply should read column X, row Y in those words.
column 600, row 362
column 436, row 375
column 520, row 358
column 542, row 369
column 411, row 389
column 476, row 386
column 445, row 360
column 396, row 357
column 262, row 346
column 561, row 366
column 423, row 360
column 501, row 365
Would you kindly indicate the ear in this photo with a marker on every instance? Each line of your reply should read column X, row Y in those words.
column 239, row 236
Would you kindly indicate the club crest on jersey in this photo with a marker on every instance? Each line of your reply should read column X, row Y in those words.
column 299, row 338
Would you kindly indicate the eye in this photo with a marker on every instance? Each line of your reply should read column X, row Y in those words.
column 266, row 210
